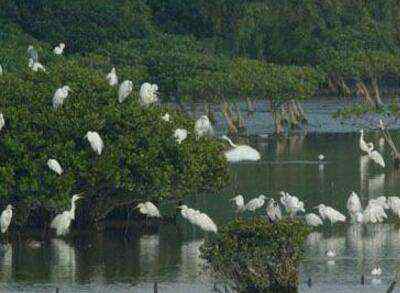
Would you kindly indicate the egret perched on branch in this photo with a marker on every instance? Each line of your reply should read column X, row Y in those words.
column 255, row 203
column 60, row 95
column 180, row 135
column 394, row 204
column 375, row 155
column 112, row 77
column 2, row 121
column 239, row 202
column 55, row 166
column 313, row 220
column 203, row 127
column 374, row 213
column 58, row 50
column 125, row 89
column 328, row 213
column 292, row 203
column 148, row 94
column 95, row 141
column 240, row 152
column 273, row 211
column 35, row 66
column 198, row 218
column 62, row 222
column 354, row 205
column 33, row 54
column 5, row 218
column 166, row 117
column 149, row 209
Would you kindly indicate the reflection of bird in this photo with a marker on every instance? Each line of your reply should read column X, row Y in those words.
column 5, row 218
column 125, row 90
column 2, row 121
column 328, row 213
column 149, row 251
column 273, row 211
column 60, row 95
column 55, row 166
column 313, row 220
column 292, row 203
column 148, row 94
column 354, row 206
column 376, row 185
column 240, row 152
column 6, row 262
column 239, row 202
column 58, row 50
column 191, row 261
column 112, row 77
column 180, row 135
column 198, row 218
column 149, row 209
column 62, row 222
column 95, row 141
column 255, row 203
column 203, row 127
column 64, row 260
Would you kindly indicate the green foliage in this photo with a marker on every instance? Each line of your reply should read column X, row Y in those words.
column 257, row 255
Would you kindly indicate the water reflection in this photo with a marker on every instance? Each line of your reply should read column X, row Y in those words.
column 64, row 261
column 6, row 255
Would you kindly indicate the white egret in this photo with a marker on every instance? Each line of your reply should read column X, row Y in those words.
column 62, row 222
column 60, row 95
column 291, row 203
column 125, row 89
column 199, row 219
column 112, row 77
column 374, row 213
column 359, row 217
column 239, row 202
column 375, row 155
column 328, row 213
column 394, row 204
column 33, row 54
column 362, row 144
column 149, row 209
column 148, row 94
column 55, row 166
column 240, row 152
column 180, row 135
column 273, row 211
column 2, row 121
column 313, row 220
column 255, row 203
column 382, row 201
column 36, row 66
column 58, row 50
column 330, row 254
column 95, row 141
column 203, row 127
column 5, row 218
column 354, row 205
column 166, row 117
column 321, row 157
column 376, row 271
column 1, row 70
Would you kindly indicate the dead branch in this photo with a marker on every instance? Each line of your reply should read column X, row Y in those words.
column 388, row 138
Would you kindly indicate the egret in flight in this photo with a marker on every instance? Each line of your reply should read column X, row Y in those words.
column 199, row 219
column 2, row 121
column 148, row 94
column 95, row 141
column 62, row 222
column 58, row 50
column 5, row 218
column 240, row 153
column 180, row 135
column 149, row 209
column 60, row 95
column 125, row 89
column 55, row 166
column 203, row 127
column 112, row 77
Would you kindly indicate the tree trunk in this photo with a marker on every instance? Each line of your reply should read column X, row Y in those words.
column 364, row 93
column 375, row 88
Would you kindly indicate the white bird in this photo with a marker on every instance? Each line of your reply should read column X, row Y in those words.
column 33, row 54
column 291, row 203
column 112, row 77
column 359, row 217
column 375, row 155
column 240, row 152
column 376, row 271
column 203, row 127
column 321, row 157
column 313, row 220
column 374, row 213
column 239, row 202
column 5, row 218
column 2, row 121
column 149, row 209
column 362, row 144
column 394, row 204
column 125, row 89
column 255, row 203
column 273, row 211
column 60, row 95
column 62, row 222
column 58, row 50
column 354, row 205
column 199, row 219
column 148, row 94
column 166, row 117
column 382, row 201
column 36, row 66
column 328, row 213
column 95, row 141
column 180, row 135
column 55, row 166
column 1, row 70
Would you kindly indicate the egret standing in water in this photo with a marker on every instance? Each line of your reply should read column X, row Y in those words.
column 148, row 94
column 5, row 218
column 60, row 95
column 55, row 166
column 58, row 50
column 2, row 121
column 240, row 152
column 125, row 89
column 112, row 77
column 62, row 222
column 149, row 209
column 203, row 127
column 95, row 141
column 180, row 135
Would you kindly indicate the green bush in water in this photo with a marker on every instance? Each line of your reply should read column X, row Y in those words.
column 256, row 255
column 141, row 159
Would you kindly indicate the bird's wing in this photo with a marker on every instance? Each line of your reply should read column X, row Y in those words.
column 377, row 158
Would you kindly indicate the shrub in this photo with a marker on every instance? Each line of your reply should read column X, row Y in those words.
column 256, row 255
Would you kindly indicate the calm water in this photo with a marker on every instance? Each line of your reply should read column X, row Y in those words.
column 171, row 257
